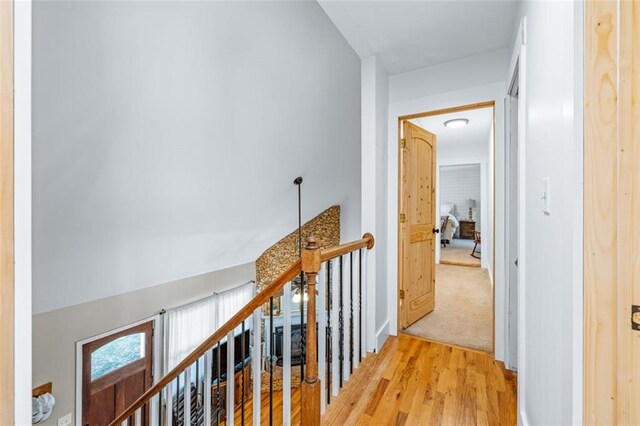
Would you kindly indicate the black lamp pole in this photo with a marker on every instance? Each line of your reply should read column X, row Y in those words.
column 298, row 183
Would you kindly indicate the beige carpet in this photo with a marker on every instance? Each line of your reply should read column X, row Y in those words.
column 463, row 311
column 459, row 252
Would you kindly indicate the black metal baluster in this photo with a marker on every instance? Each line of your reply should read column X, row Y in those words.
column 271, row 345
column 303, row 343
column 360, row 304
column 329, row 338
column 159, row 416
column 350, row 312
column 242, row 349
column 175, row 414
column 218, row 395
column 197, row 386
column 341, row 324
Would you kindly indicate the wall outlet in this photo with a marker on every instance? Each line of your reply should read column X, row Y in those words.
column 65, row 421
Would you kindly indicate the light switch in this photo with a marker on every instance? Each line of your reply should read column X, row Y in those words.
column 65, row 421
column 546, row 196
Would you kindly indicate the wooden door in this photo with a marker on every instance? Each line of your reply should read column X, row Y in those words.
column 611, row 208
column 116, row 370
column 6, row 215
column 417, row 223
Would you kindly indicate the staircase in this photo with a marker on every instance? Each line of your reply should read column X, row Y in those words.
column 199, row 391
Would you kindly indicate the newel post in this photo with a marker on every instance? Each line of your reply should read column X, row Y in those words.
column 310, row 414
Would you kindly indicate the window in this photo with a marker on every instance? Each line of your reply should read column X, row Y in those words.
column 116, row 354
column 187, row 326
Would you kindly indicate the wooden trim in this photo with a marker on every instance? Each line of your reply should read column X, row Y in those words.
column 7, row 259
column 461, row 108
column 42, row 389
column 273, row 289
column 400, row 317
column 611, row 204
column 401, row 119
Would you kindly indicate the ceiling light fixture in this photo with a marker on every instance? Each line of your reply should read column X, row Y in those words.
column 456, row 122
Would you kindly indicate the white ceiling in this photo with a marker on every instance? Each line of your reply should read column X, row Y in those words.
column 461, row 138
column 407, row 35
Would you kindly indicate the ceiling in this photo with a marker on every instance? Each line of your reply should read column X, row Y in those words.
column 462, row 138
column 406, row 35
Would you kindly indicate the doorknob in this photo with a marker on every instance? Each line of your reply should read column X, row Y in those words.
column 435, row 230
column 516, row 262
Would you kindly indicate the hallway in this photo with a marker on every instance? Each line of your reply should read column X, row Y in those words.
column 415, row 382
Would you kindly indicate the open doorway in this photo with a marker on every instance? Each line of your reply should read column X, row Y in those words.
column 459, row 200
column 460, row 203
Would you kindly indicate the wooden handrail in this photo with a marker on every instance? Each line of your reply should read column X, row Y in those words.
column 272, row 290
column 367, row 241
column 260, row 299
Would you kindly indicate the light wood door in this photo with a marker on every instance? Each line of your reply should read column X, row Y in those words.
column 6, row 215
column 417, row 223
column 611, row 211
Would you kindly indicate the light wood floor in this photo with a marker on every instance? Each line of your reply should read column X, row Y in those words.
column 413, row 382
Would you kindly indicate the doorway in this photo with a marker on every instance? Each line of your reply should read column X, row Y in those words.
column 512, row 190
column 460, row 201
column 116, row 370
column 459, row 291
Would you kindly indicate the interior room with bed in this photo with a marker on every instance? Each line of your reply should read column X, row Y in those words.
column 460, row 217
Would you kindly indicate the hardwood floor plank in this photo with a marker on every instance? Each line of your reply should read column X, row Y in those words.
column 413, row 382
column 377, row 395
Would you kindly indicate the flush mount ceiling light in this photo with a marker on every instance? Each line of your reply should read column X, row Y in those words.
column 456, row 122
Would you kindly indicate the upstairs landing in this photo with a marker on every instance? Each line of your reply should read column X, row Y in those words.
column 415, row 382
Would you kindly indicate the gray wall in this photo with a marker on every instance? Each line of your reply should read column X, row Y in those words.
column 166, row 136
column 55, row 333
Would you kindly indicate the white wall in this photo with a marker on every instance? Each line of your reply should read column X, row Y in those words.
column 375, row 91
column 472, row 88
column 167, row 136
column 458, row 184
column 449, row 77
column 550, row 392
column 22, row 213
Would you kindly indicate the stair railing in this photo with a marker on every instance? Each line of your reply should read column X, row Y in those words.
column 201, row 400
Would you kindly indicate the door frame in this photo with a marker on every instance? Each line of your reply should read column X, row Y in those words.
column 156, row 366
column 517, row 71
column 460, row 108
column 7, row 224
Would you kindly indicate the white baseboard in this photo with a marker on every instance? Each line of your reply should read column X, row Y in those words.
column 382, row 335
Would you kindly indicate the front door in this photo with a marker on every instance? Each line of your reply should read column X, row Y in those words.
column 116, row 370
column 417, row 223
